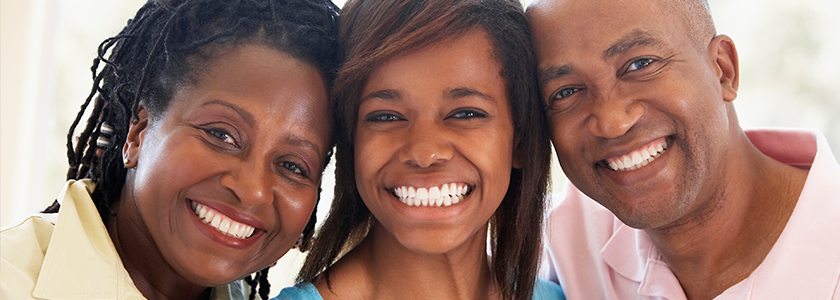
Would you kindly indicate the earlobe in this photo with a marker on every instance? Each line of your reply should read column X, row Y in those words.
column 727, row 66
column 134, row 138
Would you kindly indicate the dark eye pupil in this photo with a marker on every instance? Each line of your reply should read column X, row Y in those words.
column 386, row 118
column 566, row 93
column 291, row 167
column 642, row 63
column 467, row 114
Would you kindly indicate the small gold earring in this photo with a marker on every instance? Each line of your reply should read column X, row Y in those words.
column 126, row 160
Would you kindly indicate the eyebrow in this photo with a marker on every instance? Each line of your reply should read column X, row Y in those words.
column 455, row 93
column 462, row 92
column 246, row 116
column 626, row 43
column 551, row 73
column 629, row 41
column 383, row 94
column 296, row 140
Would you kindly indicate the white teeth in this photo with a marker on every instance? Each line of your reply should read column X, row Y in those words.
column 434, row 192
column 445, row 195
column 221, row 222
column 638, row 158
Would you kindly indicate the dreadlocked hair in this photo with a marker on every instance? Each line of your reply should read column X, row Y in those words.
column 165, row 46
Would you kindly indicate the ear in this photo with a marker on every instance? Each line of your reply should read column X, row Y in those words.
column 726, row 60
column 134, row 139
column 516, row 163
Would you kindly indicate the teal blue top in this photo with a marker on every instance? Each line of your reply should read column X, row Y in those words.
column 543, row 290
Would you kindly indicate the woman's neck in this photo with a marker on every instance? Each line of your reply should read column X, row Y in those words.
column 381, row 266
column 149, row 271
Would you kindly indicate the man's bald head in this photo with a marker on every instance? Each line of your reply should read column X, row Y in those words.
column 696, row 17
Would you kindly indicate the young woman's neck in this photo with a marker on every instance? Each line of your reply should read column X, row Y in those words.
column 383, row 267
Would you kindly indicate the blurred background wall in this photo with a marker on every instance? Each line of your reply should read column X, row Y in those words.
column 789, row 54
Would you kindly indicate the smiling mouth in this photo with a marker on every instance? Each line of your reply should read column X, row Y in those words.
column 638, row 158
column 445, row 195
column 220, row 222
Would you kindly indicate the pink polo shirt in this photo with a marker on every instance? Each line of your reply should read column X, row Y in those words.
column 595, row 256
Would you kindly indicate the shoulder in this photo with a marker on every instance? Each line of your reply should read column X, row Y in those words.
column 576, row 218
column 546, row 290
column 24, row 246
column 300, row 291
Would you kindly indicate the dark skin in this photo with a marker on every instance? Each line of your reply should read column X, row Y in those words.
column 245, row 143
column 446, row 122
column 617, row 77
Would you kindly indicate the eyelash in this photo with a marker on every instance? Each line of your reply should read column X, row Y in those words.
column 382, row 117
column 295, row 168
column 639, row 64
column 468, row 113
column 222, row 135
column 560, row 93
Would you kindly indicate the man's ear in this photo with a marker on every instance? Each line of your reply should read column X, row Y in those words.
column 134, row 138
column 723, row 49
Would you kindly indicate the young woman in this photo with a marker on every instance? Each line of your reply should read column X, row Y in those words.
column 200, row 163
column 441, row 153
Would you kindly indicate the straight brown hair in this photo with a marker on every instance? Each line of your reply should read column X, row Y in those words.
column 373, row 31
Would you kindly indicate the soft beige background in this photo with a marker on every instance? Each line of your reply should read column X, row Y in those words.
column 790, row 64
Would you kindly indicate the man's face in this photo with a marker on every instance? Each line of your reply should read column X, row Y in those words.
column 636, row 109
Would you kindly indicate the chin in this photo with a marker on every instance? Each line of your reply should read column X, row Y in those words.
column 428, row 242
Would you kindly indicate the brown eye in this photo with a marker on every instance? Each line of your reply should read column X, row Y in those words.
column 640, row 63
column 468, row 114
column 564, row 93
column 382, row 117
column 222, row 135
column 296, row 168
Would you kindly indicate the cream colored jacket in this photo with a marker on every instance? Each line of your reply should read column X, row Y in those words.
column 69, row 255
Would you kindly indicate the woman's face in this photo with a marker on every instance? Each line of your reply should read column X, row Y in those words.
column 434, row 144
column 223, row 182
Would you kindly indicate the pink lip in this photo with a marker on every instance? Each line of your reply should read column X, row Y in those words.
column 221, row 238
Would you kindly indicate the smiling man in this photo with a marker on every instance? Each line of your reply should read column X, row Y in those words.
column 687, row 205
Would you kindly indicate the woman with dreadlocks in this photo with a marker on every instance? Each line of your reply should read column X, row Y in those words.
column 201, row 160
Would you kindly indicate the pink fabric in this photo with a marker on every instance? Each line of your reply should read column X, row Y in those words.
column 595, row 256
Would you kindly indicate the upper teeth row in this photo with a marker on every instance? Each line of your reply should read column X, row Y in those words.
column 639, row 158
column 222, row 223
column 444, row 195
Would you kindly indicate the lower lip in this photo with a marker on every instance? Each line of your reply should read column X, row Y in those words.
column 432, row 213
column 221, row 238
column 637, row 176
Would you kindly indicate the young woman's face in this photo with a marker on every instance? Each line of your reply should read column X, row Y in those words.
column 434, row 144
column 223, row 182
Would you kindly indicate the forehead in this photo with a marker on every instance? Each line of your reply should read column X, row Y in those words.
column 564, row 26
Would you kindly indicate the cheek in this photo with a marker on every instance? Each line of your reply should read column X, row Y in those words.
column 371, row 154
column 295, row 209
column 562, row 138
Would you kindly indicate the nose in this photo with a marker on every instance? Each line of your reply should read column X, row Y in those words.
column 612, row 118
column 250, row 182
column 426, row 144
